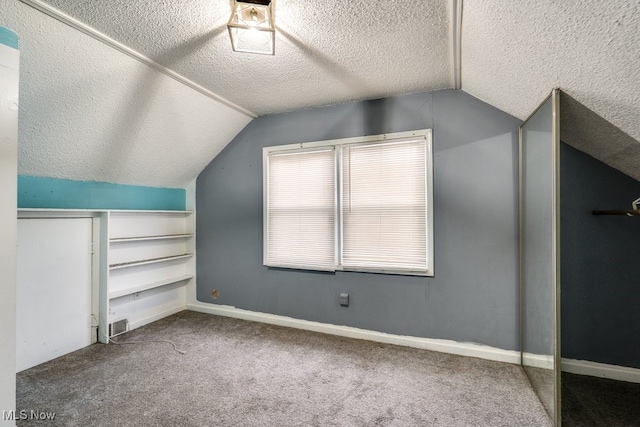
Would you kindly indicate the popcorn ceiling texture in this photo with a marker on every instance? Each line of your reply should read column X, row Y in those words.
column 514, row 53
column 88, row 112
column 587, row 131
column 327, row 52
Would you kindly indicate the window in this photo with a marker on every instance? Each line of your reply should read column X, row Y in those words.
column 301, row 210
column 357, row 204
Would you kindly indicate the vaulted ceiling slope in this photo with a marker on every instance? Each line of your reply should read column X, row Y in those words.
column 89, row 112
column 514, row 53
column 80, row 97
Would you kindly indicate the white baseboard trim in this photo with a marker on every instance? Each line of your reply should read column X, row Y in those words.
column 601, row 370
column 440, row 345
column 542, row 361
column 157, row 316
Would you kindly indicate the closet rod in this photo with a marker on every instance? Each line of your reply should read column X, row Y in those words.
column 635, row 212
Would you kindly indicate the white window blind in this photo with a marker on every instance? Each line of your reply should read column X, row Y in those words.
column 384, row 215
column 300, row 209
column 357, row 204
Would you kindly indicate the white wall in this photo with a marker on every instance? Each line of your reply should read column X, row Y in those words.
column 8, row 226
column 53, row 297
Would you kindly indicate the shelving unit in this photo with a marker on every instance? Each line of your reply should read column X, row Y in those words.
column 146, row 263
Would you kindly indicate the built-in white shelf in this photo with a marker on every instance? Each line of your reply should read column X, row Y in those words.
column 148, row 261
column 147, row 286
column 148, row 254
column 144, row 238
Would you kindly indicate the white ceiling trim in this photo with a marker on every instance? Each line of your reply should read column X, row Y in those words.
column 456, row 43
column 74, row 23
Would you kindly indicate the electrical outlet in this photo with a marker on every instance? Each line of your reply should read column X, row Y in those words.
column 344, row 300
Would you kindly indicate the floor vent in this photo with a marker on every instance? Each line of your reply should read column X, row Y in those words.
column 119, row 327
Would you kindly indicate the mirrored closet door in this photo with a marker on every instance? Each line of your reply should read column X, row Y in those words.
column 539, row 252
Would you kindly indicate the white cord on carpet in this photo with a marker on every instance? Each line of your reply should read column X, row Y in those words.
column 143, row 342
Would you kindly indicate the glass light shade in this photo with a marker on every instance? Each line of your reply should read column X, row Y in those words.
column 252, row 28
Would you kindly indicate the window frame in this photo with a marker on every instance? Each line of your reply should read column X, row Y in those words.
column 338, row 144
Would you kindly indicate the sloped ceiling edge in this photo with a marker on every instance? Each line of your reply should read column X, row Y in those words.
column 89, row 112
column 589, row 132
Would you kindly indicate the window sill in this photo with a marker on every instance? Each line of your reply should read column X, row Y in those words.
column 390, row 271
column 394, row 272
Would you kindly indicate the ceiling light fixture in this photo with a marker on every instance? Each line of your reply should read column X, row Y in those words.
column 252, row 27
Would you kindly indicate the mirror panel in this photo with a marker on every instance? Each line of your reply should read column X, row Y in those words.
column 539, row 269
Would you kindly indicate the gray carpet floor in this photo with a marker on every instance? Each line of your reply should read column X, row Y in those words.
column 589, row 401
column 239, row 373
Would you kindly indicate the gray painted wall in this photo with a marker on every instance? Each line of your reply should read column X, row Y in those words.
column 473, row 296
column 600, row 262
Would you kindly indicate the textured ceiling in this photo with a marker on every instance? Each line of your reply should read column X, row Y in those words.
column 514, row 53
column 589, row 132
column 327, row 52
column 91, row 112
